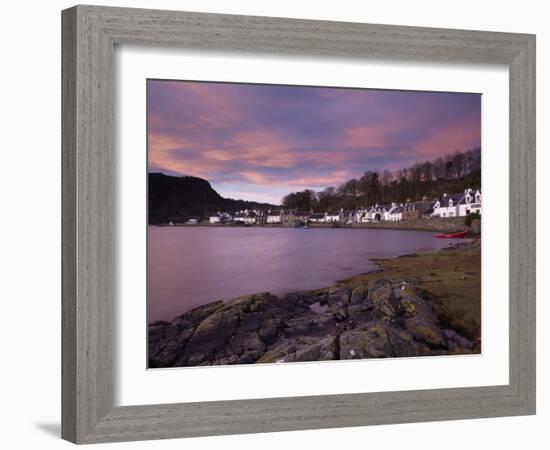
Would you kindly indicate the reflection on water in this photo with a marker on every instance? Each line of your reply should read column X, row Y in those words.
column 188, row 267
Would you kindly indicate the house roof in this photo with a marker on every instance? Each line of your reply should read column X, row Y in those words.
column 275, row 213
column 475, row 191
column 457, row 198
column 302, row 213
column 317, row 216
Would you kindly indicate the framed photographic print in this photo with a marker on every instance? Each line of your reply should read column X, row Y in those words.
column 278, row 224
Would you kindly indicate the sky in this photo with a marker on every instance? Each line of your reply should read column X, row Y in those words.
column 260, row 142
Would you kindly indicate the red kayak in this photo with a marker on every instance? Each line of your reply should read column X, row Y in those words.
column 457, row 235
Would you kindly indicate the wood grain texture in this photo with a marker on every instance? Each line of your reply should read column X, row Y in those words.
column 89, row 36
column 68, row 225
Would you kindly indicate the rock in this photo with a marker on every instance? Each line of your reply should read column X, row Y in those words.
column 358, row 295
column 340, row 311
column 338, row 295
column 250, row 357
column 360, row 308
column 387, row 318
column 381, row 299
column 211, row 334
column 166, row 357
column 307, row 300
column 156, row 333
column 311, row 324
column 171, row 331
column 301, row 349
column 184, row 335
column 371, row 341
column 456, row 342
column 376, row 340
column 198, row 314
column 269, row 329
column 427, row 332
column 297, row 326
column 233, row 359
column 241, row 343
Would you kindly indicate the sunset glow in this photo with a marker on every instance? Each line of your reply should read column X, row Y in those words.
column 260, row 142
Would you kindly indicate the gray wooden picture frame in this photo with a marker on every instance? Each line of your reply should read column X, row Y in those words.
column 90, row 34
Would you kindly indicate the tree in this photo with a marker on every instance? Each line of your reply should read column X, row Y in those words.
column 327, row 198
column 350, row 187
column 450, row 173
column 305, row 200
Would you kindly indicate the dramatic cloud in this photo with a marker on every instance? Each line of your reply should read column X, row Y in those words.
column 259, row 142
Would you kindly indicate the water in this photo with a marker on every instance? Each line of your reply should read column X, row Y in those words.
column 188, row 267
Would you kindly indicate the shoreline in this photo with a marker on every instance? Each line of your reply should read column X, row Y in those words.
column 436, row 225
column 412, row 305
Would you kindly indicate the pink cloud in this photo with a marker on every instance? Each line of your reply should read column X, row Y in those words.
column 462, row 135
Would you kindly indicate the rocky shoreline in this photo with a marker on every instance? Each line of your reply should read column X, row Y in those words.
column 369, row 318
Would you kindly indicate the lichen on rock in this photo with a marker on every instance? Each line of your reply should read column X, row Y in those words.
column 380, row 319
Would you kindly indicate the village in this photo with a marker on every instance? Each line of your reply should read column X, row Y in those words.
column 459, row 204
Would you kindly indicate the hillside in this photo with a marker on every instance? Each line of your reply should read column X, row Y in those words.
column 450, row 173
column 178, row 198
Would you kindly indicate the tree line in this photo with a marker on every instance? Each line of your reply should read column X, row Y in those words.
column 447, row 174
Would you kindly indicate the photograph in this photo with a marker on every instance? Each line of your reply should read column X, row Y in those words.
column 292, row 223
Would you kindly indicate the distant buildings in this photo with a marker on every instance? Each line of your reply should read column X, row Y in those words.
column 333, row 216
column 274, row 216
column 417, row 210
column 301, row 217
column 459, row 204
column 395, row 213
column 220, row 218
column 318, row 217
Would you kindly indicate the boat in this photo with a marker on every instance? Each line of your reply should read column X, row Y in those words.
column 457, row 235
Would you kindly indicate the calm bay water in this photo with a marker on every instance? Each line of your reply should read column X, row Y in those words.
column 188, row 267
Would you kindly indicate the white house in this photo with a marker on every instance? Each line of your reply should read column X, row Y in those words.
column 471, row 202
column 274, row 216
column 317, row 218
column 239, row 217
column 348, row 216
column 220, row 218
column 395, row 213
column 371, row 214
column 215, row 218
column 333, row 216
column 384, row 211
column 458, row 205
column 447, row 206
column 361, row 215
column 250, row 218
column 301, row 217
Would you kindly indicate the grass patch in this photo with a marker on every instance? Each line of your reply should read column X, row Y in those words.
column 450, row 278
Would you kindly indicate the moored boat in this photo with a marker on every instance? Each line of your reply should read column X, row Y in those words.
column 457, row 235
